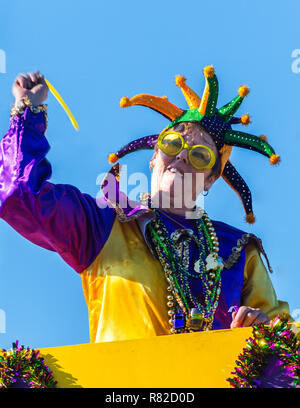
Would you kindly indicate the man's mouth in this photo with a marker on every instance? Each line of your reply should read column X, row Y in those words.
column 174, row 170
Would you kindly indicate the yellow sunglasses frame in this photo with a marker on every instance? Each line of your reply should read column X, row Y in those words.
column 188, row 147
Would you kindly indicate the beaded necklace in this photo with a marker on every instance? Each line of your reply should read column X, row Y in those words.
column 186, row 311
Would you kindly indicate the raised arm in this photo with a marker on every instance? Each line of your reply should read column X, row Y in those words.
column 56, row 217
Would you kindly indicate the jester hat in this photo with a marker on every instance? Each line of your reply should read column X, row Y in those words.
column 217, row 122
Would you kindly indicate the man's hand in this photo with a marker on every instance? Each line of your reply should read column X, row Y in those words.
column 247, row 316
column 33, row 86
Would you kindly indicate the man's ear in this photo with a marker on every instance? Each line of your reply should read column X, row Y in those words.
column 153, row 159
column 210, row 181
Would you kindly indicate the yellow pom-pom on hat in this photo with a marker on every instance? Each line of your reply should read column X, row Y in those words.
column 124, row 102
column 209, row 71
column 250, row 218
column 112, row 158
column 245, row 119
column 180, row 80
column 274, row 159
column 243, row 91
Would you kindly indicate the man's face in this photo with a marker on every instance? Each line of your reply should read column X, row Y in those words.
column 165, row 181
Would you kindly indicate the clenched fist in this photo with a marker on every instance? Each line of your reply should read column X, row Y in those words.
column 33, row 86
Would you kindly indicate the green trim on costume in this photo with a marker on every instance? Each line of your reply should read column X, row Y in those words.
column 213, row 96
column 237, row 138
column 188, row 116
column 228, row 110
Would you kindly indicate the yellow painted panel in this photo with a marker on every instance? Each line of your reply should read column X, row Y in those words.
column 194, row 360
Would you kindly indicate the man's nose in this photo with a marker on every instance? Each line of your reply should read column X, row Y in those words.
column 183, row 156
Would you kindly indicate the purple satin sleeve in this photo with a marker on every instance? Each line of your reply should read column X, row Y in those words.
column 57, row 217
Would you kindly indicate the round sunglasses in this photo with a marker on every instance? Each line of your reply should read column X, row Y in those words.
column 171, row 143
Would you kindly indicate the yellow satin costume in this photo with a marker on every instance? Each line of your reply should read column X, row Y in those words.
column 125, row 288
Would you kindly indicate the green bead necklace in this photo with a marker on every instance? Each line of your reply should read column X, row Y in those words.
column 185, row 310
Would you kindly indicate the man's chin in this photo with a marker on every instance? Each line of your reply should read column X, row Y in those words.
column 169, row 198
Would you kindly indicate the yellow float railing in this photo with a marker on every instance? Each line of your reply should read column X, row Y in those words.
column 194, row 360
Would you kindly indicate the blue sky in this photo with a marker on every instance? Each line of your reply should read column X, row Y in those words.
column 95, row 52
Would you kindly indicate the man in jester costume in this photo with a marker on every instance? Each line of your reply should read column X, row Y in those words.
column 146, row 269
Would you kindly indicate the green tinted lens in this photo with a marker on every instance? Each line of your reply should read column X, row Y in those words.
column 171, row 144
column 200, row 157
